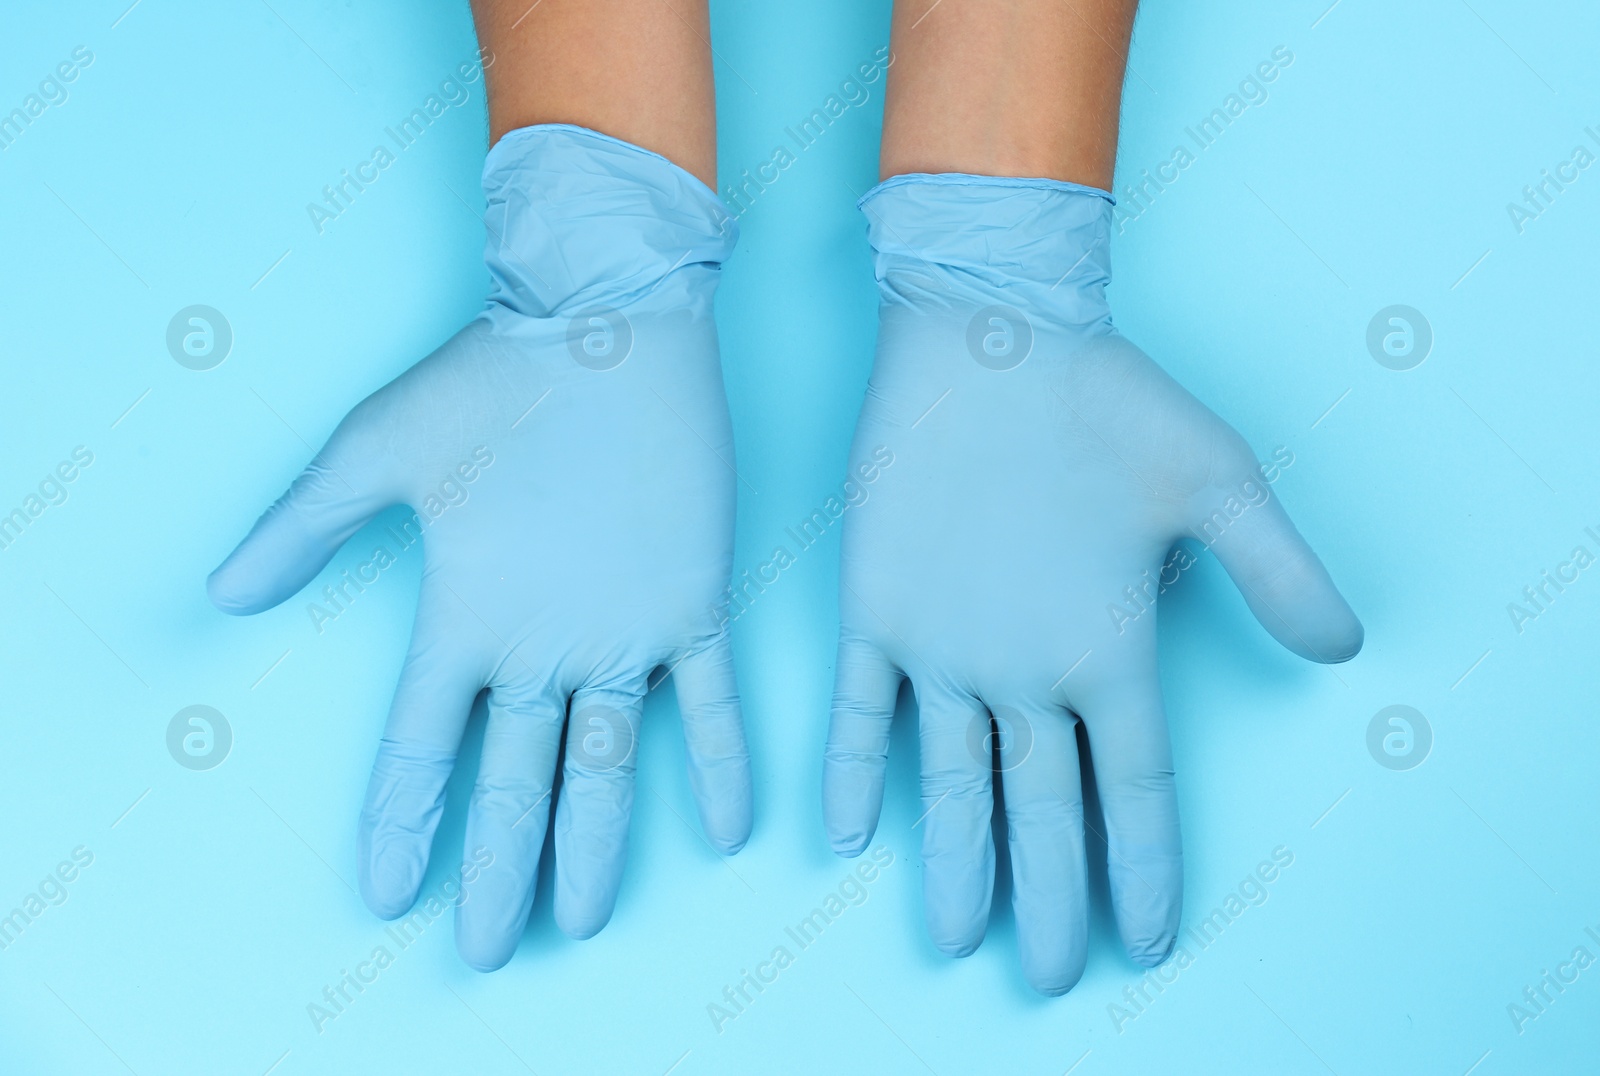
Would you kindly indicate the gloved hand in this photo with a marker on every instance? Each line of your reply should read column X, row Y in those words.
column 1008, row 560
column 570, row 460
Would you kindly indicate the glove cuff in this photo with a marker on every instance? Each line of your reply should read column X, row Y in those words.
column 1039, row 243
column 576, row 218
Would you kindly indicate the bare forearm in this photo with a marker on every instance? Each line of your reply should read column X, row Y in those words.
column 638, row 70
column 1007, row 87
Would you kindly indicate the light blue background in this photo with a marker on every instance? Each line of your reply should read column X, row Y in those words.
column 222, row 903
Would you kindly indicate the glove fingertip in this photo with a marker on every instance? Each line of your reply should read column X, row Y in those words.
column 731, row 846
column 275, row 560
column 729, row 831
column 852, row 800
column 581, row 924
column 1346, row 642
column 390, row 875
column 1331, row 638
column 1054, row 984
column 959, row 947
column 483, row 959
column 1153, row 952
column 582, row 931
column 849, row 847
column 387, row 898
column 386, row 907
column 230, row 593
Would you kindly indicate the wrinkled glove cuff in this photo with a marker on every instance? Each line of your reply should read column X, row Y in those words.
column 1041, row 244
column 577, row 218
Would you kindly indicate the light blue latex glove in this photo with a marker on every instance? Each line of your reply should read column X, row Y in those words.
column 1042, row 467
column 570, row 459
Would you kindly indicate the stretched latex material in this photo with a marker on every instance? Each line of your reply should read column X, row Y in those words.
column 569, row 459
column 1009, row 558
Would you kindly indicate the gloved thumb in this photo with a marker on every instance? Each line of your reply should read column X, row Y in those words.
column 1283, row 582
column 294, row 539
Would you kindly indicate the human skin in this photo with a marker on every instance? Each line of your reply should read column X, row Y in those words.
column 1006, row 88
column 638, row 70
